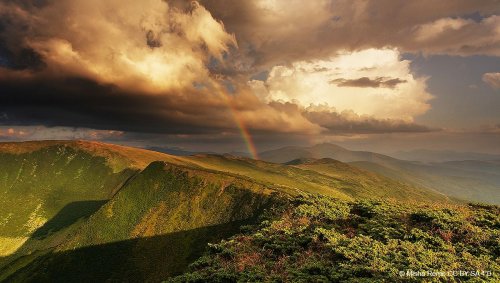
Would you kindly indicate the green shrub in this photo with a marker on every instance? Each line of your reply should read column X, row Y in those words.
column 322, row 239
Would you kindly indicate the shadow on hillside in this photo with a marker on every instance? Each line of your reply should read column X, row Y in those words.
column 68, row 215
column 151, row 259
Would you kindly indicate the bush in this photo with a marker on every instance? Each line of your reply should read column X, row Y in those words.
column 322, row 239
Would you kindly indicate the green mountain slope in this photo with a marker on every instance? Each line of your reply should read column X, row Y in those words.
column 370, row 184
column 36, row 185
column 482, row 186
column 166, row 215
column 47, row 187
column 335, row 179
column 97, row 212
column 467, row 180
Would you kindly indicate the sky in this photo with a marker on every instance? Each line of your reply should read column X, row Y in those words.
column 251, row 75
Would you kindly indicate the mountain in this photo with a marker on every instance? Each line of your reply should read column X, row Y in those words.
column 425, row 155
column 151, row 229
column 175, row 151
column 351, row 183
column 472, row 184
column 93, row 212
column 467, row 180
column 371, row 184
column 325, row 150
column 102, row 200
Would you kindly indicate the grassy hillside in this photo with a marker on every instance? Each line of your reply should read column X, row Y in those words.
column 335, row 179
column 365, row 184
column 467, row 180
column 36, row 185
column 47, row 187
column 117, row 157
column 321, row 239
column 87, row 211
column 473, row 183
column 158, row 223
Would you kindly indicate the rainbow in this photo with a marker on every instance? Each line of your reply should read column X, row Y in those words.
column 245, row 134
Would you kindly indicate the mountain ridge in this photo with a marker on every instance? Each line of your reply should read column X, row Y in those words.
column 467, row 180
column 74, row 213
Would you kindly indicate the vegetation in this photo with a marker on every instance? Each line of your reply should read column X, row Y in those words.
column 326, row 176
column 85, row 211
column 321, row 239
column 37, row 185
column 364, row 184
column 466, row 180
column 166, row 214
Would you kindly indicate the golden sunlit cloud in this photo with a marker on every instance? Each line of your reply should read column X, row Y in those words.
column 147, row 45
column 374, row 82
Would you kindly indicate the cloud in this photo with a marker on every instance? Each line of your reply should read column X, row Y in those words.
column 458, row 36
column 491, row 129
column 80, row 102
column 439, row 27
column 492, row 79
column 401, row 96
column 367, row 82
column 10, row 133
column 183, row 69
column 276, row 32
column 151, row 45
column 348, row 122
column 56, row 133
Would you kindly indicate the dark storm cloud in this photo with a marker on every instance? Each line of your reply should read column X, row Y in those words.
column 77, row 102
column 153, row 40
column 14, row 53
column 367, row 82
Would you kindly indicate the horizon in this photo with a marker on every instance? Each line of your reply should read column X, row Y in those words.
column 418, row 155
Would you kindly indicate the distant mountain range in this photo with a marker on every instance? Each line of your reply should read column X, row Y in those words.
column 175, row 151
column 425, row 155
column 475, row 180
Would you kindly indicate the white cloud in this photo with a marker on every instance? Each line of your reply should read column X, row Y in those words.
column 458, row 36
column 438, row 27
column 340, row 83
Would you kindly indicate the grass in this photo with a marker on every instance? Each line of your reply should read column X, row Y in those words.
column 161, row 203
column 321, row 239
column 326, row 177
column 98, row 201
column 365, row 184
column 48, row 179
